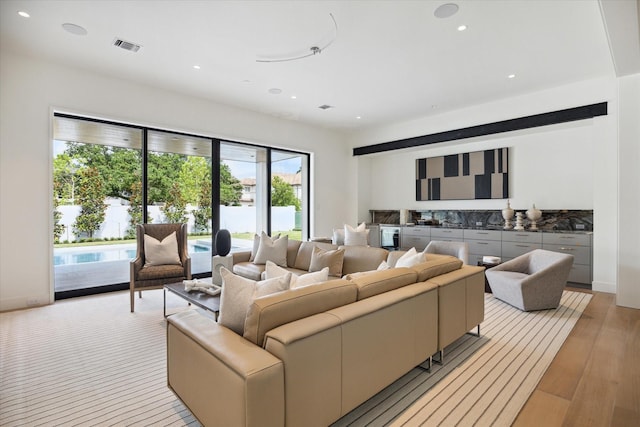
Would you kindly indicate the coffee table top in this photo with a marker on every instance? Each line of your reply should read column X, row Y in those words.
column 199, row 299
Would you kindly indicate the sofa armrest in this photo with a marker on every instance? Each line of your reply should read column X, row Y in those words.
column 243, row 256
column 222, row 378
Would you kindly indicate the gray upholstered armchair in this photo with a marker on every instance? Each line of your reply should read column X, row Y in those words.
column 533, row 281
column 165, row 264
column 457, row 249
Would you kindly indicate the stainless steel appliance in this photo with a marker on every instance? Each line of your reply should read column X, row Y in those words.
column 390, row 237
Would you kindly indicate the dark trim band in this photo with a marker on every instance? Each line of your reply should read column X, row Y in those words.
column 544, row 119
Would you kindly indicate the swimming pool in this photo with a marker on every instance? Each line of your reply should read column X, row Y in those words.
column 81, row 255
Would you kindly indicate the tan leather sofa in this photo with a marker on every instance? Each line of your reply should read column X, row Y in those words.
column 310, row 355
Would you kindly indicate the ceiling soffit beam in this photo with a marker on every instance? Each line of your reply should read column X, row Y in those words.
column 544, row 119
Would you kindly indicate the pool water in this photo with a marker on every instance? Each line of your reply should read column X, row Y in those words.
column 88, row 254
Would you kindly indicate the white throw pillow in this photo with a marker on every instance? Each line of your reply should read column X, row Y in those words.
column 355, row 236
column 272, row 270
column 256, row 245
column 161, row 252
column 410, row 258
column 383, row 266
column 338, row 236
column 274, row 250
column 238, row 293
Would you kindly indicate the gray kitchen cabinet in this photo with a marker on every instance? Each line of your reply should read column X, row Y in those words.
column 482, row 243
column 415, row 237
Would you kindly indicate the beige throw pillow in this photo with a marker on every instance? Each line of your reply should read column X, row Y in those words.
column 410, row 258
column 161, row 252
column 238, row 293
column 274, row 250
column 272, row 270
column 332, row 259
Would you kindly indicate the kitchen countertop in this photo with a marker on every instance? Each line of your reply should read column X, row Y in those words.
column 489, row 227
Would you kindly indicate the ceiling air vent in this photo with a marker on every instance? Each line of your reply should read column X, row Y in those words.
column 126, row 45
column 325, row 107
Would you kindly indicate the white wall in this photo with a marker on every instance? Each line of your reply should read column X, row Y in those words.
column 566, row 166
column 628, row 294
column 32, row 89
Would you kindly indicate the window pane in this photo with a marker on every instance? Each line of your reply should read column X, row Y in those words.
column 288, row 194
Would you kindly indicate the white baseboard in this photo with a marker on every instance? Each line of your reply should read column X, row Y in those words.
column 603, row 287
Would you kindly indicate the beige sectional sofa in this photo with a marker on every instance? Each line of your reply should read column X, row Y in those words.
column 310, row 355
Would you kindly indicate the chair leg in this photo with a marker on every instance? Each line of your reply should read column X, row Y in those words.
column 140, row 294
column 132, row 298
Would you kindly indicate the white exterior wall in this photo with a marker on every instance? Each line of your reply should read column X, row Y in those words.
column 32, row 89
column 564, row 166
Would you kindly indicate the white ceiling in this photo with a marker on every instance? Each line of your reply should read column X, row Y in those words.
column 390, row 60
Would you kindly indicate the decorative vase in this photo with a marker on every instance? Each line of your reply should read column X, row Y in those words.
column 223, row 242
column 519, row 224
column 507, row 215
column 534, row 215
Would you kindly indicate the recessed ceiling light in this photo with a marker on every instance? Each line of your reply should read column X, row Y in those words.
column 294, row 97
column 24, row 14
column 197, row 67
column 275, row 91
column 462, row 27
column 74, row 29
column 358, row 117
column 446, row 10
column 511, row 76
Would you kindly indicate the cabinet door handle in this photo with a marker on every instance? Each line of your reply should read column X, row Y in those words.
column 567, row 249
column 567, row 237
column 521, row 235
column 523, row 246
column 482, row 232
column 482, row 243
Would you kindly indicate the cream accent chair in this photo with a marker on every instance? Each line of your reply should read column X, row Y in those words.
column 457, row 249
column 144, row 277
column 533, row 281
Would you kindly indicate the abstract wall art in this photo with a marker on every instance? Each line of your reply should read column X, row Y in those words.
column 466, row 176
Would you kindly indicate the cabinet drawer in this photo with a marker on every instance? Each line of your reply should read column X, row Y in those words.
column 580, row 274
column 416, row 231
column 408, row 242
column 521, row 236
column 581, row 254
column 446, row 234
column 484, row 247
column 566, row 239
column 482, row 234
column 514, row 249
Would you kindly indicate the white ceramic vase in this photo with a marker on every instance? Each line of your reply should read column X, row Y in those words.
column 507, row 215
column 534, row 215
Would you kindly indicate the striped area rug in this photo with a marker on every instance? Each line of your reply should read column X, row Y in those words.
column 90, row 362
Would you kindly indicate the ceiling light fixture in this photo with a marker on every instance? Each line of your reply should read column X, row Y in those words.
column 196, row 67
column 311, row 51
column 24, row 14
column 74, row 29
column 462, row 27
column 325, row 107
column 446, row 10
column 511, row 76
column 294, row 97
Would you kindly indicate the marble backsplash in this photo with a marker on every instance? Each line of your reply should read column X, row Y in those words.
column 552, row 220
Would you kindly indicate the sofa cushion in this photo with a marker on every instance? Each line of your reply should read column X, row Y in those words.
column 249, row 270
column 297, row 281
column 436, row 265
column 356, row 236
column 272, row 311
column 237, row 294
column 303, row 257
column 362, row 258
column 332, row 259
column 372, row 283
column 272, row 250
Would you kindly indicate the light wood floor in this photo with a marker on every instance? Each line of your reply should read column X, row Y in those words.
column 594, row 379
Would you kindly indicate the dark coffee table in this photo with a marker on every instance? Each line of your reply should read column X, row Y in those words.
column 199, row 299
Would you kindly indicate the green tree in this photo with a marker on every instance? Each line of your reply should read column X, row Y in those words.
column 163, row 170
column 58, row 228
column 90, row 196
column 175, row 206
column 230, row 187
column 194, row 173
column 203, row 214
column 134, row 209
column 282, row 194
column 64, row 178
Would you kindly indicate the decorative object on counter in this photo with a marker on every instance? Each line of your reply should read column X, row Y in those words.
column 404, row 216
column 507, row 214
column 534, row 215
column 465, row 176
column 519, row 224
